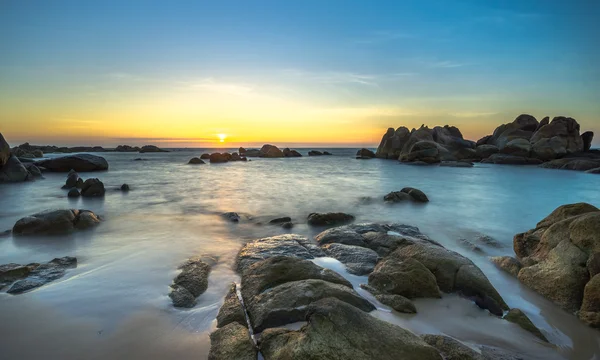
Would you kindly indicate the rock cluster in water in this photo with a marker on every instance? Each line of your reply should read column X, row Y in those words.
column 35, row 151
column 27, row 277
column 12, row 169
column 280, row 285
column 525, row 141
column 560, row 259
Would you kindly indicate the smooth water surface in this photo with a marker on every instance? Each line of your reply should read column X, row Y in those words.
column 115, row 304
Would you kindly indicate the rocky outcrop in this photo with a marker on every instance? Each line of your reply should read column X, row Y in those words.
column 587, row 138
column 291, row 153
column 79, row 162
column 318, row 153
column 14, row 171
column 270, row 151
column 92, row 187
column 54, row 222
column 452, row 349
column 365, row 154
column 232, row 309
column 196, row 161
column 31, row 276
column 337, row 330
column 4, row 151
column 518, row 317
column 151, row 149
column 327, row 219
column 191, row 282
column 358, row 260
column 510, row 160
column 558, row 259
column 216, row 158
column 407, row 193
column 230, row 342
column 127, row 148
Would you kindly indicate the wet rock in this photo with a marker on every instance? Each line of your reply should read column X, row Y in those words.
column 518, row 317
column 587, row 138
column 231, row 342
column 13, row 171
column 71, row 181
column 241, row 150
column 358, row 260
column 231, row 216
column 408, row 278
column 337, row 330
column 4, row 151
column 327, row 153
column 416, row 194
column 196, row 161
column 577, row 164
column 290, row 245
column 205, row 156
column 78, row 162
column 280, row 220
column 151, row 149
column 510, row 160
column 54, row 222
column 397, row 196
column 232, row 310
column 460, row 164
column 365, row 154
column 9, row 273
column 397, row 302
column 594, row 171
column 92, row 187
column 508, row 264
column 485, row 151
column 590, row 306
column 216, row 158
column 42, row 274
column 451, row 349
column 126, row 148
column 125, row 187
column 73, row 193
column 287, row 225
column 192, row 280
column 291, row 153
column 270, row 151
column 315, row 153
column 252, row 153
column 34, row 171
column 326, row 219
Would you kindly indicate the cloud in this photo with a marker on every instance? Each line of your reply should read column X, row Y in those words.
column 223, row 87
column 340, row 77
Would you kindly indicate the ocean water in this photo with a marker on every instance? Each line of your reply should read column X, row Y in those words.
column 115, row 304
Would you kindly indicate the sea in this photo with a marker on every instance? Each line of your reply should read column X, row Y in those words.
column 115, row 304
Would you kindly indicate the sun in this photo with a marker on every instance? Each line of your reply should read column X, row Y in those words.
column 221, row 137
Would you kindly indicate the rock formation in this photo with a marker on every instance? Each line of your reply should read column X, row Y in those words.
column 54, row 222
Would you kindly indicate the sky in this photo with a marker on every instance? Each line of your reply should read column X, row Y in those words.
column 292, row 73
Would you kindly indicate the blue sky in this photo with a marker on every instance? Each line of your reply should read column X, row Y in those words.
column 95, row 65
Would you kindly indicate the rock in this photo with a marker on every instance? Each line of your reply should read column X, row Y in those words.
column 33, row 170
column 572, row 164
column 4, row 151
column 92, row 187
column 241, row 150
column 231, row 216
column 416, row 194
column 73, row 193
column 232, row 310
column 594, row 171
column 270, row 151
column 557, row 252
column 125, row 187
column 79, row 162
column 327, row 219
column 452, row 349
column 287, row 225
column 205, row 156
column 590, row 306
column 517, row 147
column 397, row 196
column 252, row 153
column 13, row 171
column 508, row 264
column 337, row 330
column 483, row 141
column 42, row 274
column 587, row 138
column 291, row 153
column 518, row 317
column 327, row 153
column 397, row 302
column 365, row 154
column 9, row 273
column 510, row 160
column 593, row 264
column 315, row 153
column 151, row 149
column 54, row 222
column 358, row 260
column 462, row 164
column 216, row 158
column 556, row 139
column 289, row 245
column 425, row 151
column 407, row 193
column 192, row 279
column 408, row 278
column 196, row 161
column 281, row 220
column 127, row 148
column 231, row 342
column 71, row 181
column 485, row 151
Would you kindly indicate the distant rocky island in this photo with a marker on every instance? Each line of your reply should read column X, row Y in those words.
column 555, row 144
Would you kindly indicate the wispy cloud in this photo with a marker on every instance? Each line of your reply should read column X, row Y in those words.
column 382, row 36
column 218, row 86
column 341, row 78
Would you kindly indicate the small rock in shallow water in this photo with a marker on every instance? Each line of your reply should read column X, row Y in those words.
column 518, row 317
column 73, row 193
column 92, row 188
column 193, row 279
column 397, row 302
column 196, row 161
column 43, row 274
column 281, row 220
column 125, row 187
column 231, row 310
column 231, row 216
column 287, row 225
column 54, row 222
column 319, row 219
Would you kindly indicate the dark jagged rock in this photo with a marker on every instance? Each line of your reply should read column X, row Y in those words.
column 241, row 150
column 125, row 187
column 196, row 161
column 14, row 171
column 10, row 273
column 397, row 302
column 518, row 317
column 337, row 330
column 365, row 154
column 287, row 225
column 326, row 219
column 191, row 282
column 406, row 193
column 587, row 138
column 92, row 187
column 4, row 151
column 71, row 181
column 53, row 222
column 315, row 153
column 232, row 310
column 41, row 274
column 127, row 148
column 231, row 342
column 79, row 162
column 151, row 149
column 485, row 151
column 508, row 264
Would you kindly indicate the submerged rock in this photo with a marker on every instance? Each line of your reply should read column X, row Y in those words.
column 518, row 317
column 337, row 330
column 452, row 349
column 231, row 216
column 41, row 274
column 79, row 162
column 413, row 194
column 326, row 219
column 53, row 222
column 365, row 154
column 461, row 164
column 92, row 187
column 73, row 193
column 196, row 161
column 397, row 302
column 191, row 282
column 125, row 187
column 231, row 342
column 280, row 220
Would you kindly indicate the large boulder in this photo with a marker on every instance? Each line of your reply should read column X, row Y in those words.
column 216, row 158
column 587, row 138
column 41, row 274
column 358, row 260
column 408, row 278
column 291, row 153
column 92, row 187
column 337, row 330
column 327, row 219
column 365, row 154
column 517, row 147
column 191, row 282
column 521, row 128
column 556, row 139
column 53, row 222
column 78, row 162
column 4, row 151
column 558, row 257
column 14, row 171
column 270, row 151
column 151, row 148
column 232, row 341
